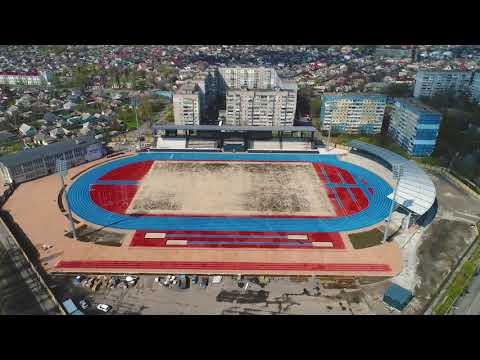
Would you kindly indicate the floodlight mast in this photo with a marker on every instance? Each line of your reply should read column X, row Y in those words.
column 397, row 170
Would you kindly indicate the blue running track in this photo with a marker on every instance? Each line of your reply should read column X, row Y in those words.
column 81, row 204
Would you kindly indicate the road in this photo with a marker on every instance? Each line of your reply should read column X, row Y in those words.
column 469, row 303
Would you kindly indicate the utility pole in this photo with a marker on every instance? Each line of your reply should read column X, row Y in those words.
column 61, row 168
column 135, row 105
column 397, row 170
column 329, row 133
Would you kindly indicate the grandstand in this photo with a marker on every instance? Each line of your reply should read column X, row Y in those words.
column 416, row 192
column 236, row 138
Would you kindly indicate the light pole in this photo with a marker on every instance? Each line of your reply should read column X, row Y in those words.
column 397, row 170
column 329, row 133
column 135, row 105
column 61, row 168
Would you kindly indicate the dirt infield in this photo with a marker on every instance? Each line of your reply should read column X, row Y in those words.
column 234, row 188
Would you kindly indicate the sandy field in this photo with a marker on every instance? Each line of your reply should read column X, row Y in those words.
column 233, row 188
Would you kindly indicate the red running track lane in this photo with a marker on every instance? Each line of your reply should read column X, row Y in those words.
column 332, row 174
column 333, row 200
column 139, row 239
column 347, row 177
column 226, row 266
column 113, row 198
column 362, row 200
column 348, row 203
column 131, row 172
column 318, row 169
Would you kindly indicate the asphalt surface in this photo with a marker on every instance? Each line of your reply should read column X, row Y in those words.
column 469, row 302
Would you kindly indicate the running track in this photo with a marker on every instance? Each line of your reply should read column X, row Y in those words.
column 360, row 196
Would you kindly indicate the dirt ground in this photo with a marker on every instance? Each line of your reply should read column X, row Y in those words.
column 241, row 188
column 280, row 296
column 440, row 247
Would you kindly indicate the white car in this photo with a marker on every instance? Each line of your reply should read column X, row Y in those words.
column 104, row 307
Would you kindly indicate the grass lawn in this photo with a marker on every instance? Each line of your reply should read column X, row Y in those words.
column 459, row 283
column 366, row 239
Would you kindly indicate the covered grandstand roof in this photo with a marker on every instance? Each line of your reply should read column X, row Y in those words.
column 234, row 128
column 416, row 191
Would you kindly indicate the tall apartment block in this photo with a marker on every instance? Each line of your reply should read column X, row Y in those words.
column 187, row 104
column 414, row 126
column 257, row 97
column 475, row 88
column 249, row 78
column 431, row 82
column 352, row 113
column 250, row 96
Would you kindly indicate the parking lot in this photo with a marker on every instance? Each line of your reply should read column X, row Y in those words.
column 282, row 295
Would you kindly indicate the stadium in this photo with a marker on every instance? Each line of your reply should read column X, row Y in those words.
column 219, row 212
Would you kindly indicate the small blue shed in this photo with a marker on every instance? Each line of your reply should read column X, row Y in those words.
column 397, row 296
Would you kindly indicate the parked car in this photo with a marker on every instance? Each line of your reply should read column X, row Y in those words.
column 203, row 282
column 184, row 282
column 84, row 305
column 104, row 307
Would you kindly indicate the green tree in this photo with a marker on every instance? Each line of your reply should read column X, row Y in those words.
column 144, row 109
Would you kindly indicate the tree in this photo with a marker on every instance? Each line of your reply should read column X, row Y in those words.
column 398, row 90
column 145, row 109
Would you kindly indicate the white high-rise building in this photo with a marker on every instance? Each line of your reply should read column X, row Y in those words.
column 249, row 78
column 257, row 97
column 260, row 107
column 187, row 102
column 431, row 82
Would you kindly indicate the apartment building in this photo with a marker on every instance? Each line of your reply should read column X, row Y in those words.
column 25, row 78
column 414, row 126
column 250, row 96
column 431, row 82
column 257, row 97
column 260, row 107
column 248, row 78
column 352, row 113
column 187, row 104
column 33, row 163
column 475, row 88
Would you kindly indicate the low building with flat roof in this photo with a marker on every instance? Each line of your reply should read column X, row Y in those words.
column 33, row 163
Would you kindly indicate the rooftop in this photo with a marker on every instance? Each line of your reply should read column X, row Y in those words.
column 44, row 151
column 417, row 105
column 234, row 128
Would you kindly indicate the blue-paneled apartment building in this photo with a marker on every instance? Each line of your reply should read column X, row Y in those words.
column 352, row 113
column 414, row 126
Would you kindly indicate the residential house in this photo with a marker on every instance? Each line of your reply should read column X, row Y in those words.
column 50, row 118
column 69, row 105
column 27, row 130
column 43, row 139
column 58, row 133
column 6, row 136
